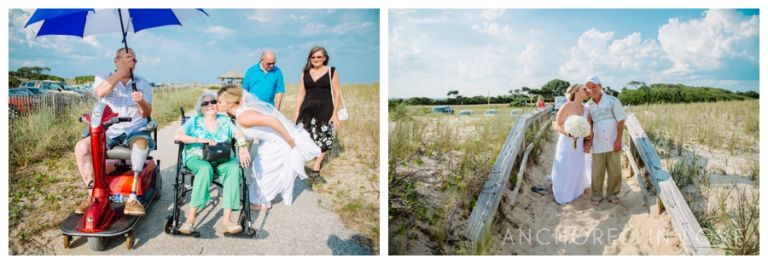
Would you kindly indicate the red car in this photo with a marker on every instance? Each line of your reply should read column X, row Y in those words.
column 20, row 101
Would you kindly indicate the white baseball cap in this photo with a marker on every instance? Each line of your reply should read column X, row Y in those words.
column 592, row 79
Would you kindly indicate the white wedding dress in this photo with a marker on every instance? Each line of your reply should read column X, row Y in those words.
column 571, row 169
column 274, row 164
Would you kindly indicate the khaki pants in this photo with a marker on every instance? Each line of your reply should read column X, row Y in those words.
column 610, row 161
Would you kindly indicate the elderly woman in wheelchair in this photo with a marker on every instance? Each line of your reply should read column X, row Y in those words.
column 209, row 128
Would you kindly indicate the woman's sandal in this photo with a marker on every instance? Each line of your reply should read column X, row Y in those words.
column 231, row 228
column 186, row 228
column 615, row 201
column 596, row 203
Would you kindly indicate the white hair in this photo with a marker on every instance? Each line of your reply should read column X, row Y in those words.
column 198, row 108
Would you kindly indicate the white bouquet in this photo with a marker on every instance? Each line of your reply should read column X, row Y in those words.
column 577, row 126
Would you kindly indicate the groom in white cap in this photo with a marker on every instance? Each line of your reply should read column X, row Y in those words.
column 607, row 120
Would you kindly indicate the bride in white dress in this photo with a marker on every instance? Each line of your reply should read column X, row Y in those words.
column 571, row 166
column 280, row 149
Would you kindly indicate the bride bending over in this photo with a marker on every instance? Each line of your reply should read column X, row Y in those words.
column 280, row 148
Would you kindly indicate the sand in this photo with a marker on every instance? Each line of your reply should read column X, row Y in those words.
column 535, row 225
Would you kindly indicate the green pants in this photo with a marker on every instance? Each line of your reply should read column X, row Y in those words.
column 602, row 162
column 229, row 176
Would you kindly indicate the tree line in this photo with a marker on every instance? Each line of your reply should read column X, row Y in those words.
column 633, row 93
column 40, row 73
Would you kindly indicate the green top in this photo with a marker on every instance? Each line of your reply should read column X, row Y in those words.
column 195, row 127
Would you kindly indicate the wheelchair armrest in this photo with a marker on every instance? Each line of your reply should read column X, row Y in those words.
column 151, row 126
column 177, row 142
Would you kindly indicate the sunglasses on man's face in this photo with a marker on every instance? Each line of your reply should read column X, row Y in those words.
column 206, row 103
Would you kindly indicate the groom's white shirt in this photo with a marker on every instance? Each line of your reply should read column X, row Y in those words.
column 605, row 115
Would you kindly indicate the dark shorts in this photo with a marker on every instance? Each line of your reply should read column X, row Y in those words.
column 126, row 140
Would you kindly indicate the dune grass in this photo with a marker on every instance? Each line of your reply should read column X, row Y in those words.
column 690, row 138
column 437, row 165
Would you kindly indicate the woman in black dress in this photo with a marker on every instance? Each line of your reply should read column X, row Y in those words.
column 317, row 112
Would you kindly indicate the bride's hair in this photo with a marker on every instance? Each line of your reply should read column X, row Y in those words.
column 231, row 94
column 570, row 93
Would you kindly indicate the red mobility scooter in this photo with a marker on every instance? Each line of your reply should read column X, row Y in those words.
column 113, row 180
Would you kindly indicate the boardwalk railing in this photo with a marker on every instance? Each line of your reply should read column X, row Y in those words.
column 488, row 201
column 683, row 221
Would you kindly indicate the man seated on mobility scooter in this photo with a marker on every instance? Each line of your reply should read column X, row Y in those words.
column 115, row 89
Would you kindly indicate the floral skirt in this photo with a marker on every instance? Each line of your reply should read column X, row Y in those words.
column 321, row 133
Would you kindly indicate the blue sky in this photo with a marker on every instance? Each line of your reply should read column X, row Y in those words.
column 432, row 51
column 204, row 48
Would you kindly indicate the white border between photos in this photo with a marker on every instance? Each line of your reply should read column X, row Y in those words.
column 384, row 7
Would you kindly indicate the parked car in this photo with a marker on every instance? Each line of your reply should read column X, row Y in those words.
column 35, row 91
column 20, row 101
column 47, row 86
column 490, row 112
column 74, row 89
column 466, row 112
column 443, row 109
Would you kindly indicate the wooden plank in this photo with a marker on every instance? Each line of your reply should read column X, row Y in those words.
column 684, row 222
column 638, row 175
column 524, row 161
column 488, row 201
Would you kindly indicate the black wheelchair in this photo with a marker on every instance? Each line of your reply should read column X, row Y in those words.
column 181, row 188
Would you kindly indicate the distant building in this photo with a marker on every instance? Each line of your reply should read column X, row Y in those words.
column 232, row 77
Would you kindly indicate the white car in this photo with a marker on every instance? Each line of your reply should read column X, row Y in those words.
column 490, row 112
column 466, row 112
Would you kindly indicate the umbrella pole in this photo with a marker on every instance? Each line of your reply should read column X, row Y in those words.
column 122, row 28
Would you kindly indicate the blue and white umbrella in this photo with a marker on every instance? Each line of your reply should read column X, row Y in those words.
column 87, row 22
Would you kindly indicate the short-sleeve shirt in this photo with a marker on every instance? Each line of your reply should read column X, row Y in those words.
column 605, row 115
column 195, row 127
column 121, row 102
column 264, row 84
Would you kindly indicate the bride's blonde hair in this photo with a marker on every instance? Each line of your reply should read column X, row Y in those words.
column 570, row 93
column 231, row 94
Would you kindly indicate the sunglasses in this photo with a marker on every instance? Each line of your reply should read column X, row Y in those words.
column 270, row 64
column 317, row 57
column 206, row 103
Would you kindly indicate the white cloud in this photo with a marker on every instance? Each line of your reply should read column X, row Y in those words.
column 403, row 45
column 349, row 27
column 261, row 16
column 598, row 52
column 528, row 58
column 300, row 17
column 704, row 43
column 313, row 29
column 492, row 14
column 496, row 30
column 219, row 31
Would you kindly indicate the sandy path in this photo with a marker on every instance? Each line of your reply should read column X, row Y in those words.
column 304, row 228
column 536, row 225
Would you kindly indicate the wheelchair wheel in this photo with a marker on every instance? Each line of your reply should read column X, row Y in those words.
column 168, row 224
column 158, row 182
